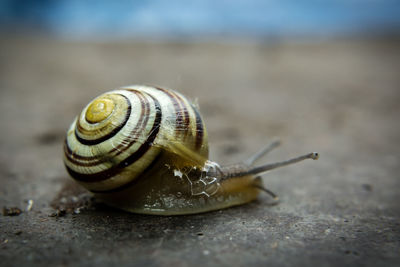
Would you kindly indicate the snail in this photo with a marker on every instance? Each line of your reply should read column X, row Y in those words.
column 144, row 150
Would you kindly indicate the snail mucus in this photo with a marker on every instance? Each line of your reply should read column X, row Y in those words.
column 144, row 150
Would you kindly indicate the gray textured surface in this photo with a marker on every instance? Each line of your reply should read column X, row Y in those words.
column 339, row 98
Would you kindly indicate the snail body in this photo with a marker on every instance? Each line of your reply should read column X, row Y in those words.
column 145, row 150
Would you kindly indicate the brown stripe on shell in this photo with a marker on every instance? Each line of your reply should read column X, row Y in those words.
column 199, row 129
column 125, row 144
column 134, row 134
column 106, row 174
column 132, row 182
column 182, row 120
column 176, row 107
column 186, row 126
column 76, row 159
column 90, row 142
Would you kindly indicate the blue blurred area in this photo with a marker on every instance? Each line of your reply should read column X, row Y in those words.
column 254, row 18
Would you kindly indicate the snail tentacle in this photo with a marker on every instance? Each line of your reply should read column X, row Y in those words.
column 251, row 160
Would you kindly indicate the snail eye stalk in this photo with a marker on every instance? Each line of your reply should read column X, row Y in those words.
column 271, row 166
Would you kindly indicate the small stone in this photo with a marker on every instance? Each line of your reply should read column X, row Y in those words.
column 30, row 205
column 367, row 187
column 58, row 213
column 18, row 232
column 13, row 211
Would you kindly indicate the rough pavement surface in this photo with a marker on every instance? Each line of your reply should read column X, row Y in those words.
column 339, row 98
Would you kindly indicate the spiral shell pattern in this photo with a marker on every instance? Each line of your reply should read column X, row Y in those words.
column 121, row 134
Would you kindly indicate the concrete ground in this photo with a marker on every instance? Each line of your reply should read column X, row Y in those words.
column 340, row 98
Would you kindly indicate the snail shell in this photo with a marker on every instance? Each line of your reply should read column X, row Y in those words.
column 145, row 150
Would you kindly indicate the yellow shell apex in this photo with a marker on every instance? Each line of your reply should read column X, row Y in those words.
column 99, row 110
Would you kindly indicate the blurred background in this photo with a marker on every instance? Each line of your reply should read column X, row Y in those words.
column 177, row 19
column 322, row 75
